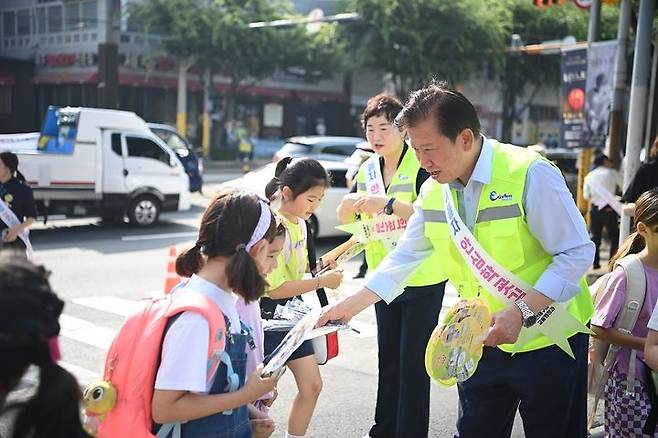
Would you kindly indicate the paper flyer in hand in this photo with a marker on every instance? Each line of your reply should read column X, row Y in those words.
column 286, row 317
column 293, row 339
column 455, row 347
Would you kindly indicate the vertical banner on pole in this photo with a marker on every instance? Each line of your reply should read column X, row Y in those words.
column 573, row 77
column 600, row 68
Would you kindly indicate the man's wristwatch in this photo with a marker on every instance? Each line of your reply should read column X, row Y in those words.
column 389, row 207
column 529, row 317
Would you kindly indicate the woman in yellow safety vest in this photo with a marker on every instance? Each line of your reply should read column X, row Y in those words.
column 387, row 185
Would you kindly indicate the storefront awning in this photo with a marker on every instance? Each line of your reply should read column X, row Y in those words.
column 7, row 80
column 283, row 93
column 65, row 78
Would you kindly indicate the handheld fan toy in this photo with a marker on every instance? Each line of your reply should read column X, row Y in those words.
column 455, row 347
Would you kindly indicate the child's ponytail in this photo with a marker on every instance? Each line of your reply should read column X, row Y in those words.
column 29, row 313
column 632, row 245
column 275, row 183
column 232, row 224
column 299, row 177
column 189, row 262
column 244, row 276
column 646, row 212
column 54, row 408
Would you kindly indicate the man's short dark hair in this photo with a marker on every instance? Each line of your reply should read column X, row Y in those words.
column 381, row 105
column 450, row 109
column 600, row 160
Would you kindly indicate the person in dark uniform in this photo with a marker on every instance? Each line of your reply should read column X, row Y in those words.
column 18, row 197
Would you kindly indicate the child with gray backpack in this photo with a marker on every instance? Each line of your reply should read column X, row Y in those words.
column 624, row 305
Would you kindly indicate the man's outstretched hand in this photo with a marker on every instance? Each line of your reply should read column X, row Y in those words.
column 347, row 308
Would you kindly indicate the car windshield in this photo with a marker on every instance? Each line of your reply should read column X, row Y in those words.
column 173, row 140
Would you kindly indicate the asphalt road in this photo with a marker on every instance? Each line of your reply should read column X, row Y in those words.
column 102, row 273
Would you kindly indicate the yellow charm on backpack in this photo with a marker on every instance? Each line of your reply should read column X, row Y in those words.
column 98, row 399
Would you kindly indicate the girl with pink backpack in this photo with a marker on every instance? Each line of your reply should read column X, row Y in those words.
column 226, row 262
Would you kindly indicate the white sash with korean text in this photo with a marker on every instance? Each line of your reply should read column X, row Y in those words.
column 387, row 228
column 9, row 218
column 554, row 321
column 606, row 198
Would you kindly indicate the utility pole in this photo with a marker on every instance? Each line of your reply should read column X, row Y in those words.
column 619, row 96
column 108, row 59
column 585, row 158
column 181, row 99
column 638, row 101
column 207, row 104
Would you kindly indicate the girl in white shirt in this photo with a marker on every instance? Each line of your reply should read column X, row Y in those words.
column 226, row 262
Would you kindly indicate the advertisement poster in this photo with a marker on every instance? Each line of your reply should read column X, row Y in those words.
column 60, row 129
column 573, row 71
column 598, row 96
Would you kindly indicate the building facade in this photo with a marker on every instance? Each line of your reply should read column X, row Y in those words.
column 63, row 41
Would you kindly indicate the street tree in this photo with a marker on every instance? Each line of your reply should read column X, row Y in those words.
column 415, row 40
column 216, row 37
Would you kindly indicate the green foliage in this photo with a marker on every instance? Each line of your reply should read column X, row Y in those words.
column 455, row 40
column 418, row 39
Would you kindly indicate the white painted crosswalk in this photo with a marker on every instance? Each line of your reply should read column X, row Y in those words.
column 78, row 326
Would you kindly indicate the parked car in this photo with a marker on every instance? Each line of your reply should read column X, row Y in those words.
column 362, row 152
column 324, row 221
column 320, row 147
column 184, row 150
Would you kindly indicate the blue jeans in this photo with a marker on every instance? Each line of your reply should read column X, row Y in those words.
column 235, row 425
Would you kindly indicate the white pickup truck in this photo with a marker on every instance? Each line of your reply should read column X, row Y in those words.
column 107, row 163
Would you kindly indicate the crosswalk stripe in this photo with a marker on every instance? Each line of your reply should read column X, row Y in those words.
column 86, row 332
column 109, row 304
column 82, row 375
column 101, row 337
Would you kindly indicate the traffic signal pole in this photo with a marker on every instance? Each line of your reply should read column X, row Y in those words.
column 638, row 100
column 619, row 96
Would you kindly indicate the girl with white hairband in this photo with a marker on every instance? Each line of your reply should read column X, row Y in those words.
column 297, row 189
column 227, row 262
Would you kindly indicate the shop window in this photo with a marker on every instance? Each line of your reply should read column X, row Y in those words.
column 90, row 14
column 55, row 19
column 41, row 20
column 23, row 16
column 8, row 23
column 5, row 99
column 72, row 16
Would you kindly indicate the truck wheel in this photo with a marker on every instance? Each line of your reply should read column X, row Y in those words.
column 144, row 210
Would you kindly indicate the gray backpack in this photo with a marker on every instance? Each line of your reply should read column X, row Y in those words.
column 602, row 355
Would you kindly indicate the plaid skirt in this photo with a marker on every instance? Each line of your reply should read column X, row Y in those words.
column 625, row 414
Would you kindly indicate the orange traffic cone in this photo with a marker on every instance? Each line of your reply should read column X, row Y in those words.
column 171, row 277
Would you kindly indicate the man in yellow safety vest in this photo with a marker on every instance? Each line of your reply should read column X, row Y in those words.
column 515, row 207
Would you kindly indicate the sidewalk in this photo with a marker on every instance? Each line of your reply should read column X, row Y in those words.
column 232, row 164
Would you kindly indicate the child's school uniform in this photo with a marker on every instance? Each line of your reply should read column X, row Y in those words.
column 625, row 414
column 184, row 361
column 292, row 264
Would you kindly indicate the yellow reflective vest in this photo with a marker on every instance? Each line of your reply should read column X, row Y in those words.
column 403, row 188
column 502, row 231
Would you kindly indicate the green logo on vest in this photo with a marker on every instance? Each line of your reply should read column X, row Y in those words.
column 493, row 196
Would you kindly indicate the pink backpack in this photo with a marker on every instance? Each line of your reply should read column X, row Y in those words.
column 132, row 361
